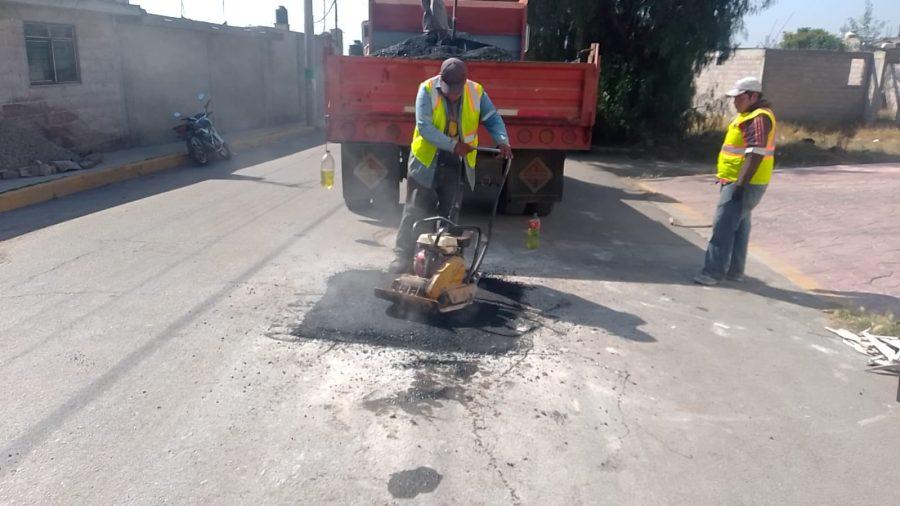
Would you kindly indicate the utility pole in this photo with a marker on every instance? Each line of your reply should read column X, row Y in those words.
column 309, row 43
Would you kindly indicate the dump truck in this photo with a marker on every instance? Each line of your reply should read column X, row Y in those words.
column 549, row 107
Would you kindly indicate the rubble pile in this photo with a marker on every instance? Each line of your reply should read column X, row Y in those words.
column 883, row 351
column 25, row 151
column 428, row 47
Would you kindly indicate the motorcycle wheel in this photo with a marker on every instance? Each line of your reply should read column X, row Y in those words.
column 196, row 150
column 224, row 151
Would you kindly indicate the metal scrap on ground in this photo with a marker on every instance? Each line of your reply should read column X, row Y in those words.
column 884, row 351
column 428, row 47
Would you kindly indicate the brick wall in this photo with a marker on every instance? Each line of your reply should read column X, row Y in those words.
column 84, row 116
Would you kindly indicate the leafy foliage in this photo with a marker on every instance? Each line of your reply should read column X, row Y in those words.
column 650, row 49
column 866, row 27
column 811, row 38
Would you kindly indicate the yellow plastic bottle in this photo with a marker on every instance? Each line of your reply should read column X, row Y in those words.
column 327, row 172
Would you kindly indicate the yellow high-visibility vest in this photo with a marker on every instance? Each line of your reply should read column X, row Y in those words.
column 470, row 119
column 731, row 157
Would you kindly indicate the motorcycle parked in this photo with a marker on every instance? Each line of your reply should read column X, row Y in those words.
column 201, row 135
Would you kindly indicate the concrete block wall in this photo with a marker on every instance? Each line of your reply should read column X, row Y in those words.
column 253, row 76
column 887, row 65
column 82, row 116
column 803, row 86
column 138, row 69
column 891, row 89
column 813, row 86
column 720, row 74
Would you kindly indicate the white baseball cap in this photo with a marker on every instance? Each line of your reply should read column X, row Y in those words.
column 744, row 85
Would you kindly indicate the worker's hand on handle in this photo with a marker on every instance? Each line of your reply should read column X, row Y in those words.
column 462, row 149
column 505, row 152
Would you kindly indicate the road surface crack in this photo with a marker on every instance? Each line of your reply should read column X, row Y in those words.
column 876, row 278
column 477, row 427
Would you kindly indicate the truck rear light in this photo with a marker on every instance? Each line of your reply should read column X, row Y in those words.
column 569, row 137
column 524, row 136
column 547, row 136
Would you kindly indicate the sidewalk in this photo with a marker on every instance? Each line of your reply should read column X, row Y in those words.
column 831, row 230
column 127, row 164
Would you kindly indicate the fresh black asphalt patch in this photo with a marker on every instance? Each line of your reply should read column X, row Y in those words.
column 349, row 312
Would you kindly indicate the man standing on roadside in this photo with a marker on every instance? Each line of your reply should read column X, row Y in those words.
column 743, row 171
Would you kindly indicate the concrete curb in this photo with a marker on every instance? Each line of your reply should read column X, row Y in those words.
column 79, row 182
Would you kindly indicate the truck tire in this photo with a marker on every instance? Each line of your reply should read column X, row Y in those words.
column 381, row 188
column 539, row 208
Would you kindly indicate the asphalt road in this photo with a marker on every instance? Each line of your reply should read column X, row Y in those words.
column 208, row 336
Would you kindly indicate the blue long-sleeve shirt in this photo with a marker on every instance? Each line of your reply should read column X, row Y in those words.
column 490, row 118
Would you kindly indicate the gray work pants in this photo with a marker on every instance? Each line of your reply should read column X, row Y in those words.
column 726, row 254
column 444, row 199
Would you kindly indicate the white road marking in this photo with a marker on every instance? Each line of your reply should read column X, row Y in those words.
column 867, row 421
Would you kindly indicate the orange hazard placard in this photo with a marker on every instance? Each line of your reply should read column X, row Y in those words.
column 536, row 175
column 370, row 171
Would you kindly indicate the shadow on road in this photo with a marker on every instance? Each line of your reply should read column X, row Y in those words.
column 597, row 233
column 22, row 221
column 500, row 321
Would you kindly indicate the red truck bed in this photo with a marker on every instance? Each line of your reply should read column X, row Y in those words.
column 545, row 105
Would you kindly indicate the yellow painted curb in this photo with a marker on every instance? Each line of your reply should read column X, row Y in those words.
column 785, row 269
column 79, row 182
column 56, row 188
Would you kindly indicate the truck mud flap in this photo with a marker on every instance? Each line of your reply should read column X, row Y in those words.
column 370, row 176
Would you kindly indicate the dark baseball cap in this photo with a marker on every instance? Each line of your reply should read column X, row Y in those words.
column 453, row 75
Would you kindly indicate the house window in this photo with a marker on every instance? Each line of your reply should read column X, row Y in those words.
column 52, row 53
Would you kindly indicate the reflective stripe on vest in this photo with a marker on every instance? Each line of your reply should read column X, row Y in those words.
column 731, row 156
column 469, row 121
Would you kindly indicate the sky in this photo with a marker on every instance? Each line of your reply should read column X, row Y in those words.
column 789, row 15
column 782, row 15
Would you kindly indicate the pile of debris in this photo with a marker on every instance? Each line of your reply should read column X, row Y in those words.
column 25, row 151
column 883, row 351
column 429, row 47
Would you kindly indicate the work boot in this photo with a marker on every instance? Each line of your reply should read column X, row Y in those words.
column 401, row 264
column 705, row 280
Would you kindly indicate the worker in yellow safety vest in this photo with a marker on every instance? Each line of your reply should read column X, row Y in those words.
column 743, row 172
column 449, row 110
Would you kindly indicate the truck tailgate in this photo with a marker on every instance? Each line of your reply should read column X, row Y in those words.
column 545, row 105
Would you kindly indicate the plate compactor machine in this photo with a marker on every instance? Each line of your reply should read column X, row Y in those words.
column 443, row 280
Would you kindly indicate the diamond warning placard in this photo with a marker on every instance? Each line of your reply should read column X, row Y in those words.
column 536, row 175
column 370, row 171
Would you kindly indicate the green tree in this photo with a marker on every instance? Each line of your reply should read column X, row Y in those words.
column 866, row 27
column 650, row 51
column 811, row 38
